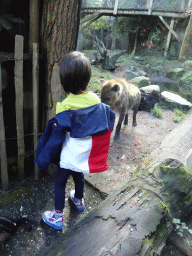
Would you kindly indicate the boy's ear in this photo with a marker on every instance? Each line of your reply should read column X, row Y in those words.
column 102, row 81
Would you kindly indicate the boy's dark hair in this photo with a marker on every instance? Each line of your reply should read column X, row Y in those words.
column 75, row 72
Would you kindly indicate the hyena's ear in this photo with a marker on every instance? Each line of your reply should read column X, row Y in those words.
column 102, row 81
column 116, row 88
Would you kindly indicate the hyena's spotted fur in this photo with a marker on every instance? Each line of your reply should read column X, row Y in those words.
column 121, row 95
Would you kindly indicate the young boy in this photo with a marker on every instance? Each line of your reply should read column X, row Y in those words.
column 77, row 138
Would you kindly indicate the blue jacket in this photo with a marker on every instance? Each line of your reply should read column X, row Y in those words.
column 91, row 121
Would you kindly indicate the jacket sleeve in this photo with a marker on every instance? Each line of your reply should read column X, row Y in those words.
column 50, row 144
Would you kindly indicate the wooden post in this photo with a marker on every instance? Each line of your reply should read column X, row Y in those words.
column 33, row 24
column 135, row 45
column 116, row 7
column 19, row 103
column 35, row 100
column 150, row 7
column 3, row 155
column 173, row 32
column 169, row 38
column 189, row 4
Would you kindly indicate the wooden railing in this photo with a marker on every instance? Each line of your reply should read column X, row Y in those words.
column 19, row 99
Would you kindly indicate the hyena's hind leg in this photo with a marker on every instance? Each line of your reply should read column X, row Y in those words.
column 135, row 110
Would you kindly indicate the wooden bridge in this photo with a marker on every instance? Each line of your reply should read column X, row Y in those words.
column 168, row 8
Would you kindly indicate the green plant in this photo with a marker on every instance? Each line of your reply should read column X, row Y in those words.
column 180, row 115
column 157, row 112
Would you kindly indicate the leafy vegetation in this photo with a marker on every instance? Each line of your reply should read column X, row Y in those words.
column 101, row 23
column 98, row 74
column 180, row 226
column 180, row 115
column 157, row 112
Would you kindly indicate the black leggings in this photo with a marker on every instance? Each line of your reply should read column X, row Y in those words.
column 60, row 184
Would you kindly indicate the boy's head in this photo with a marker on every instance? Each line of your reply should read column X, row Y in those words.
column 75, row 72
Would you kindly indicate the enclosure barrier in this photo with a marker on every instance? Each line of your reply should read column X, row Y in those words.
column 19, row 97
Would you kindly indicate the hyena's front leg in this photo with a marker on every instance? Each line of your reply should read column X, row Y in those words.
column 118, row 127
column 126, row 119
column 135, row 110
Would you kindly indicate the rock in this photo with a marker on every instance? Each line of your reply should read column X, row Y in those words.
column 126, row 73
column 175, row 73
column 148, row 100
column 187, row 78
column 130, row 74
column 174, row 98
column 140, row 81
column 187, row 64
column 150, row 88
column 142, row 73
column 161, row 80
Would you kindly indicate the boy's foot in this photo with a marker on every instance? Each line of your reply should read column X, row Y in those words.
column 79, row 203
column 53, row 219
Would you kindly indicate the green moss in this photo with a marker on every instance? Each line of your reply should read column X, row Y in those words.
column 164, row 206
column 159, row 233
column 189, row 199
column 185, row 174
column 136, row 171
column 145, row 193
column 13, row 196
column 154, row 240
column 162, row 184
column 165, row 168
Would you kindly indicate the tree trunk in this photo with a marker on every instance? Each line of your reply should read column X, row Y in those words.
column 113, row 43
column 187, row 41
column 59, row 33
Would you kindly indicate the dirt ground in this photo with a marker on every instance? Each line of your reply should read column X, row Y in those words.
column 136, row 143
column 31, row 198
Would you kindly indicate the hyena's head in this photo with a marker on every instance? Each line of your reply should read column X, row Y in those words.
column 111, row 92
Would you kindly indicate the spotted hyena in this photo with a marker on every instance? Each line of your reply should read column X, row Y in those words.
column 121, row 95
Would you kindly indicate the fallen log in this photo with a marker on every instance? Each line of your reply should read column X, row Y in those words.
column 108, row 61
